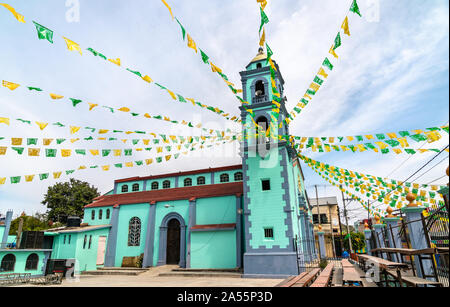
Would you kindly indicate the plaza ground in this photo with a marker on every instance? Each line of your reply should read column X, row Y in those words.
column 151, row 279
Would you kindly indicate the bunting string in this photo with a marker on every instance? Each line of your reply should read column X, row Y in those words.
column 204, row 57
column 75, row 102
column 146, row 162
column 45, row 33
column 326, row 67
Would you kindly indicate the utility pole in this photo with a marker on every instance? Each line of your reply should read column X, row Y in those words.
column 340, row 230
column 346, row 221
column 318, row 214
column 331, row 229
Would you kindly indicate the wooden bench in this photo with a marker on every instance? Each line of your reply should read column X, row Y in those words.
column 401, row 272
column 302, row 280
column 337, row 277
column 323, row 280
column 351, row 277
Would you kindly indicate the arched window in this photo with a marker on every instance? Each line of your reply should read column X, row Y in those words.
column 93, row 214
column 134, row 232
column 135, row 187
column 100, row 214
column 155, row 185
column 90, row 242
column 259, row 88
column 259, row 65
column 166, row 184
column 107, row 213
column 201, row 180
column 224, row 178
column 238, row 176
column 85, row 241
column 188, row 182
column 8, row 263
column 263, row 125
column 125, row 188
column 32, row 262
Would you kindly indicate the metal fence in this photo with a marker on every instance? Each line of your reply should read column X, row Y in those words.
column 435, row 223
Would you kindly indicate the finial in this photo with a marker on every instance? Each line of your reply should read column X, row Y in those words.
column 366, row 226
column 377, row 219
column 320, row 227
column 389, row 211
column 411, row 198
column 260, row 50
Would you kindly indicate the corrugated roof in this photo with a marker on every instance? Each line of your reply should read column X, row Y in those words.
column 212, row 190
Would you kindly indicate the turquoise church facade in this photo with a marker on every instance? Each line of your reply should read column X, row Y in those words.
column 253, row 216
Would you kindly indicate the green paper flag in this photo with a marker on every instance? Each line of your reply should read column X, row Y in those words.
column 135, row 72
column 24, row 121
column 71, row 171
column 58, row 124
column 318, row 80
column 19, row 150
column 139, row 163
column 96, row 53
column 205, row 58
column 354, row 8
column 50, row 153
column 34, row 89
column 118, row 165
column 269, row 53
column 264, row 20
column 106, row 152
column 43, row 176
column 159, row 159
column 128, row 152
column 418, row 137
column 337, row 41
column 43, row 32
column 328, row 64
column 181, row 98
column 60, row 141
column 80, row 151
column 183, row 31
column 32, row 141
column 75, row 101
column 15, row 179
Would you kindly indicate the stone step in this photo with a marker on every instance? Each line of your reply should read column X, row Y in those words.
column 112, row 272
column 201, row 274
column 208, row 270
column 122, row 269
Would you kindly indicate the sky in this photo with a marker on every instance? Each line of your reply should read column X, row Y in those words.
column 392, row 74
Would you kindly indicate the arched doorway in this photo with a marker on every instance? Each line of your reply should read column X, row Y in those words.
column 173, row 242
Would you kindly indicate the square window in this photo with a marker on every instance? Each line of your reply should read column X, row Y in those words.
column 265, row 184
column 268, row 233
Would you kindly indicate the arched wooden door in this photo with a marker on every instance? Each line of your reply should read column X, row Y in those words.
column 173, row 242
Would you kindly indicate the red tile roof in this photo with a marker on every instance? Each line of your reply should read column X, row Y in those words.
column 201, row 171
column 212, row 190
column 213, row 226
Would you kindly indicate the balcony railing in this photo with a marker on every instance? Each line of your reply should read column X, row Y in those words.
column 260, row 99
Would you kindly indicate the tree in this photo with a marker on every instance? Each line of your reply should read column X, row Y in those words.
column 38, row 222
column 68, row 199
column 358, row 241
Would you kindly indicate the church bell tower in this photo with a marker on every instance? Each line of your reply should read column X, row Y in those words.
column 270, row 185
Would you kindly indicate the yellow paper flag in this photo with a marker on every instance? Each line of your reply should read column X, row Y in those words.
column 147, row 78
column 4, row 120
column 54, row 96
column 74, row 129
column 322, row 73
column 12, row 86
column 345, row 26
column 191, row 43
column 2, row 180
column 16, row 141
column 124, row 109
column 214, row 68
column 57, row 175
column 19, row 17
column 47, row 142
column 92, row 105
column 172, row 94
column 71, row 45
column 116, row 61
column 333, row 52
column 94, row 152
column 168, row 7
column 263, row 38
column 42, row 125
column 29, row 178
column 105, row 167
column 66, row 153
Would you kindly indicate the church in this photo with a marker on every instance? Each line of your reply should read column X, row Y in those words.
column 252, row 216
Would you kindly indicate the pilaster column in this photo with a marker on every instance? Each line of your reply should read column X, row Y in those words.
column 110, row 255
column 367, row 236
column 191, row 223
column 378, row 227
column 238, row 231
column 150, row 237
column 417, row 236
column 392, row 228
